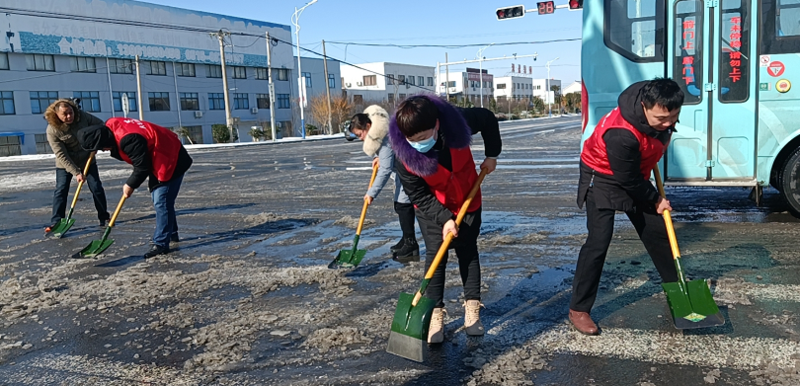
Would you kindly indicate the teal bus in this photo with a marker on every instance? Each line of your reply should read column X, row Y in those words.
column 738, row 62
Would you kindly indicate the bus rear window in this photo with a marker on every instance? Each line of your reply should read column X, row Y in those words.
column 780, row 26
column 635, row 29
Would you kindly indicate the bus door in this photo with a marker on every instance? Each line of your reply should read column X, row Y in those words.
column 709, row 54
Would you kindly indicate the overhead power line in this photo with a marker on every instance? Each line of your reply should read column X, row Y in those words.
column 407, row 46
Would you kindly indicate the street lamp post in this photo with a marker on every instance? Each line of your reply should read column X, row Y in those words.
column 549, row 111
column 480, row 61
column 300, row 80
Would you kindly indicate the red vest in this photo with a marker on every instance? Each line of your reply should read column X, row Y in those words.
column 594, row 152
column 452, row 188
column 162, row 144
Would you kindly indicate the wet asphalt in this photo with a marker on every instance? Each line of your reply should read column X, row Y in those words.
column 246, row 298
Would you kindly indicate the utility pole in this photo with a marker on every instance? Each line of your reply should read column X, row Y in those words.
column 228, row 119
column 139, row 89
column 271, row 89
column 177, row 95
column 447, row 77
column 327, row 85
column 549, row 111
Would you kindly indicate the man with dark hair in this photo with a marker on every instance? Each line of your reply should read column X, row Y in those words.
column 157, row 155
column 616, row 163
column 431, row 140
column 372, row 127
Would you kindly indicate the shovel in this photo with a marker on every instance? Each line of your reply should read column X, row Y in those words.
column 65, row 223
column 97, row 247
column 691, row 304
column 413, row 315
column 351, row 257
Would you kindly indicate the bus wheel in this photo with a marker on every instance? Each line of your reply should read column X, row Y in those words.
column 789, row 182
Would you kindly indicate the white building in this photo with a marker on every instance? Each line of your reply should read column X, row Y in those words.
column 573, row 87
column 542, row 88
column 50, row 55
column 467, row 85
column 365, row 83
column 513, row 87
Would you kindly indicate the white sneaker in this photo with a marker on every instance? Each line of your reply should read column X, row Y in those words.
column 472, row 318
column 436, row 329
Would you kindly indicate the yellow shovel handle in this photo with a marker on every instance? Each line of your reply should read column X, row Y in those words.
column 366, row 204
column 80, row 184
column 443, row 249
column 116, row 212
column 673, row 240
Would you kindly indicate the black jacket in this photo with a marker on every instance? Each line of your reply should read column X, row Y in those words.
column 480, row 120
column 135, row 147
column 625, row 188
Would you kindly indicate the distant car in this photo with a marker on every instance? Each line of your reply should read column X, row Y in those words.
column 348, row 135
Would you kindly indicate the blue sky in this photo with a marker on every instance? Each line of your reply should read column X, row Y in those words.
column 419, row 22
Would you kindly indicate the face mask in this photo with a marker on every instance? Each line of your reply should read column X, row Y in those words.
column 425, row 145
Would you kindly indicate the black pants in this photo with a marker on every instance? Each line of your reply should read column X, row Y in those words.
column 405, row 213
column 63, row 179
column 466, row 246
column 600, row 223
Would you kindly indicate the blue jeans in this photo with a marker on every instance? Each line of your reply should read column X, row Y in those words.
column 60, row 195
column 164, row 202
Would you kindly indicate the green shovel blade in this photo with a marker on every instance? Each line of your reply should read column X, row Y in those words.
column 410, row 325
column 62, row 227
column 348, row 259
column 96, row 247
column 692, row 306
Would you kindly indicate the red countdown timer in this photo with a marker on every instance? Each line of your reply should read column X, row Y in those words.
column 546, row 7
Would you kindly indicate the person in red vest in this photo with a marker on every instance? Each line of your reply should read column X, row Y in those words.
column 156, row 154
column 616, row 163
column 431, row 140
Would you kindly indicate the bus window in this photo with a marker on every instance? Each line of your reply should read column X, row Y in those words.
column 634, row 29
column 734, row 60
column 788, row 18
column 688, row 65
column 780, row 28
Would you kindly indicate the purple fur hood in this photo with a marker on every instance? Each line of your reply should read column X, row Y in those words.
column 452, row 127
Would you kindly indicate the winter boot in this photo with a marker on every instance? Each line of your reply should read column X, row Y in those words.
column 436, row 329
column 398, row 246
column 409, row 252
column 472, row 318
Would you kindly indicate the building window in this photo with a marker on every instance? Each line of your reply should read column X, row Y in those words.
column 159, row 101
column 184, row 69
column 239, row 72
column 41, row 99
column 83, row 64
column 214, row 71
column 36, row 62
column 410, row 79
column 10, row 146
column 262, row 74
column 4, row 61
column 157, row 68
column 307, row 76
column 283, row 101
column 370, row 80
column 241, row 101
column 216, row 101
column 262, row 101
column 121, row 66
column 42, row 145
column 357, row 99
column 189, row 101
column 401, row 79
column 117, row 96
column 421, row 80
column 195, row 134
column 331, row 81
column 90, row 100
column 7, row 103
column 283, row 74
column 501, row 86
column 401, row 97
column 430, row 81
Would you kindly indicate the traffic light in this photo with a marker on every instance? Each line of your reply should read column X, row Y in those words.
column 510, row 12
column 575, row 4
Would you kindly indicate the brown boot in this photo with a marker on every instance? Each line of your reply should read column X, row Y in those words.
column 583, row 322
